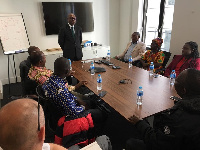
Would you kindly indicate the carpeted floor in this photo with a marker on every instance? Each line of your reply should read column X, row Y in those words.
column 116, row 127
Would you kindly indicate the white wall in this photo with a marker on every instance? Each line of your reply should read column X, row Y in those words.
column 128, row 21
column 114, row 10
column 33, row 16
column 186, row 24
column 123, row 22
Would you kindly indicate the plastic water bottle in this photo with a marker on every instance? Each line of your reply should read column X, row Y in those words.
column 151, row 68
column 130, row 60
column 99, row 82
column 172, row 77
column 108, row 55
column 92, row 68
column 139, row 96
column 70, row 64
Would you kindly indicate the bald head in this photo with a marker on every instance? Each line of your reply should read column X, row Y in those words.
column 19, row 124
column 188, row 83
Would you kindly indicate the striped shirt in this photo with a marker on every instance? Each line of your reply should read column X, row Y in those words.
column 129, row 51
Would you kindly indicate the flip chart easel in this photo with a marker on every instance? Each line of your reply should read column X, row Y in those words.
column 13, row 37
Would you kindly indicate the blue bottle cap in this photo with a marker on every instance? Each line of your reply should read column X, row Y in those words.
column 99, row 75
column 140, row 87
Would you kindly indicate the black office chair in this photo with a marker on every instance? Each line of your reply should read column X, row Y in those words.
column 51, row 112
column 167, row 56
column 28, row 86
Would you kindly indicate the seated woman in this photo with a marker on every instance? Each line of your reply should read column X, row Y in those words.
column 154, row 55
column 188, row 59
column 38, row 72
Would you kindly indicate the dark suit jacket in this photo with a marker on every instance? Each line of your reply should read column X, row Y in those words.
column 71, row 48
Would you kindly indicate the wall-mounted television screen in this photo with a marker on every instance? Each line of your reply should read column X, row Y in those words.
column 55, row 15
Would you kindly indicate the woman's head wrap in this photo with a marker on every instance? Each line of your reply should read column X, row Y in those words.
column 158, row 41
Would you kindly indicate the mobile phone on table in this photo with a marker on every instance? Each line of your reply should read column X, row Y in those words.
column 102, row 94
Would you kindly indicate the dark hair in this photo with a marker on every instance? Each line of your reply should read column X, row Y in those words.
column 194, row 54
column 35, row 57
column 137, row 33
column 194, row 47
column 31, row 49
column 61, row 66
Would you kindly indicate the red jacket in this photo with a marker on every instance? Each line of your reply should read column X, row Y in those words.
column 188, row 64
column 79, row 131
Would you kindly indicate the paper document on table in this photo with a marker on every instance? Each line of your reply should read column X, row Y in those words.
column 92, row 146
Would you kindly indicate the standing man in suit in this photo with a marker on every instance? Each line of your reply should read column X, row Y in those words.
column 134, row 48
column 70, row 39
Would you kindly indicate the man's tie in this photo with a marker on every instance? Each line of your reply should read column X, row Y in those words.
column 72, row 28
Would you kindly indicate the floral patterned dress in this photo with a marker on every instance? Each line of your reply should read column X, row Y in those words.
column 158, row 57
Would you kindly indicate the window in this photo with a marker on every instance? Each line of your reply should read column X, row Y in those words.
column 157, row 21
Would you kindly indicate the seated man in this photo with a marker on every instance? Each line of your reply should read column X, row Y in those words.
column 73, row 108
column 154, row 55
column 56, row 88
column 178, row 127
column 134, row 48
column 38, row 72
column 19, row 128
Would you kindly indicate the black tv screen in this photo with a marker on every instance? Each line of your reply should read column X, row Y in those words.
column 55, row 15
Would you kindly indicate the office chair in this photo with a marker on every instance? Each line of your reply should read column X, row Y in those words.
column 28, row 86
column 162, row 70
column 167, row 56
column 51, row 112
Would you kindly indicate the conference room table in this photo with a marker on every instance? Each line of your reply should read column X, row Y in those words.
column 122, row 97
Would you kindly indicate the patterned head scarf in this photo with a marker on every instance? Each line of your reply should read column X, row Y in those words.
column 158, row 41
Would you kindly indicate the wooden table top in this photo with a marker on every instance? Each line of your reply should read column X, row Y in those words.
column 122, row 97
